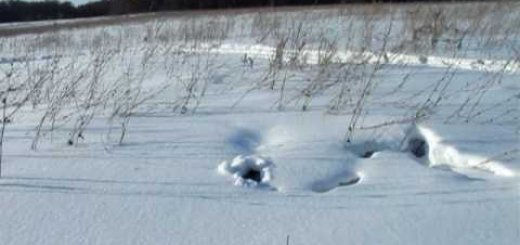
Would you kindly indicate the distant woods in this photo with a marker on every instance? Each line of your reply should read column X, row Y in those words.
column 16, row 10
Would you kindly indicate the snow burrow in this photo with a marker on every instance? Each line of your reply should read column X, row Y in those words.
column 249, row 171
column 430, row 149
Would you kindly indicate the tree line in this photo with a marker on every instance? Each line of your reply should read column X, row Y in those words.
column 19, row 10
column 16, row 10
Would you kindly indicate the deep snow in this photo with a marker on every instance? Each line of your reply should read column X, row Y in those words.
column 241, row 163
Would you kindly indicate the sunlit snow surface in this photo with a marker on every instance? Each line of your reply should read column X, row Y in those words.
column 244, row 169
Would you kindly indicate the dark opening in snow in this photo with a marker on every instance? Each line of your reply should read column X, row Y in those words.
column 367, row 149
column 418, row 147
column 367, row 154
column 253, row 174
column 249, row 171
column 350, row 182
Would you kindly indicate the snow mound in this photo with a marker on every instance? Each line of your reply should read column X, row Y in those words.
column 310, row 155
column 429, row 148
column 249, row 171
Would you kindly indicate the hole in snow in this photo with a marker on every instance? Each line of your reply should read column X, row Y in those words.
column 426, row 143
column 418, row 147
column 249, row 171
column 367, row 149
column 368, row 154
column 253, row 174
column 352, row 181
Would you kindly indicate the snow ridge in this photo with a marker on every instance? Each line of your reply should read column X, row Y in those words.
column 440, row 153
column 365, row 57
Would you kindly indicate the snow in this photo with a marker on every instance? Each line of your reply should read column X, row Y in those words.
column 249, row 171
column 442, row 154
column 218, row 153
column 348, row 56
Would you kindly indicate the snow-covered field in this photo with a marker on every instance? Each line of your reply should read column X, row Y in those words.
column 348, row 125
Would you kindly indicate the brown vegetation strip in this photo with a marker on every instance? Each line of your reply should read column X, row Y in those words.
column 22, row 28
